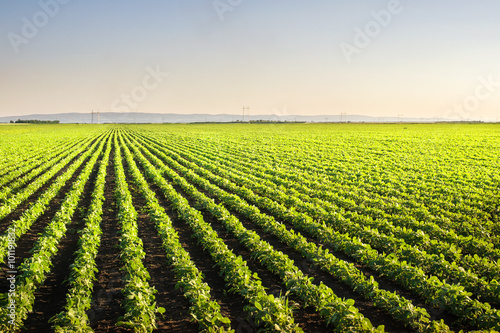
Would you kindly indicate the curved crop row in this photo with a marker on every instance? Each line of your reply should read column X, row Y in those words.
column 30, row 159
column 389, row 243
column 446, row 296
column 323, row 185
column 466, row 225
column 461, row 212
column 23, row 224
column 292, row 198
column 37, row 165
column 26, row 192
column 341, row 314
column 273, row 313
column 397, row 306
column 205, row 312
column 82, row 276
column 33, row 270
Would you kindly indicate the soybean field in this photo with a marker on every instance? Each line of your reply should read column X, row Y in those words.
column 250, row 227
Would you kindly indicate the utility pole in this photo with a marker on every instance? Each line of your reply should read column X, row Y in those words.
column 341, row 115
column 98, row 117
column 248, row 112
column 92, row 116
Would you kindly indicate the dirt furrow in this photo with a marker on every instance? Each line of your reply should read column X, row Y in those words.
column 107, row 296
column 177, row 317
column 27, row 241
column 51, row 296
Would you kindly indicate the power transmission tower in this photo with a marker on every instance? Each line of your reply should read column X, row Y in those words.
column 399, row 117
column 248, row 112
column 92, row 116
column 342, row 114
column 97, row 117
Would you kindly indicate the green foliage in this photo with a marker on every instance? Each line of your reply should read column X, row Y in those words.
column 33, row 271
column 417, row 205
column 35, row 121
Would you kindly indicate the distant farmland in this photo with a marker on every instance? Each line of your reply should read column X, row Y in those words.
column 247, row 227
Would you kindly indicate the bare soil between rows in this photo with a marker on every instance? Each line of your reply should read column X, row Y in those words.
column 376, row 316
column 50, row 297
column 307, row 318
column 107, row 296
column 176, row 318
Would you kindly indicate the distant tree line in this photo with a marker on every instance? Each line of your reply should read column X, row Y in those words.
column 34, row 121
column 276, row 121
column 263, row 121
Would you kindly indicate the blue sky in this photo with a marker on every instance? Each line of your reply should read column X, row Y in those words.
column 380, row 58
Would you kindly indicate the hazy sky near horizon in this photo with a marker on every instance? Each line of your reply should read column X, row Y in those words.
column 380, row 58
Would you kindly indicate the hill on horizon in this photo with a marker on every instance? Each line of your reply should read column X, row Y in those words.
column 138, row 117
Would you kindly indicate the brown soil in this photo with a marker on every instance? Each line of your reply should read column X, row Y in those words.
column 50, row 297
column 381, row 318
column 386, row 284
column 36, row 165
column 231, row 304
column 107, row 296
column 176, row 317
column 308, row 319
column 27, row 241
column 16, row 213
column 376, row 316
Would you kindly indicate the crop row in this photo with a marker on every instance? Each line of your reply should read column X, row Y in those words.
column 397, row 306
column 337, row 312
column 380, row 153
column 414, row 235
column 31, row 156
column 139, row 304
column 35, row 210
column 439, row 293
column 236, row 155
column 203, row 310
column 14, row 201
column 35, row 165
column 74, row 316
column 273, row 313
column 388, row 243
column 33, row 271
column 467, row 221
